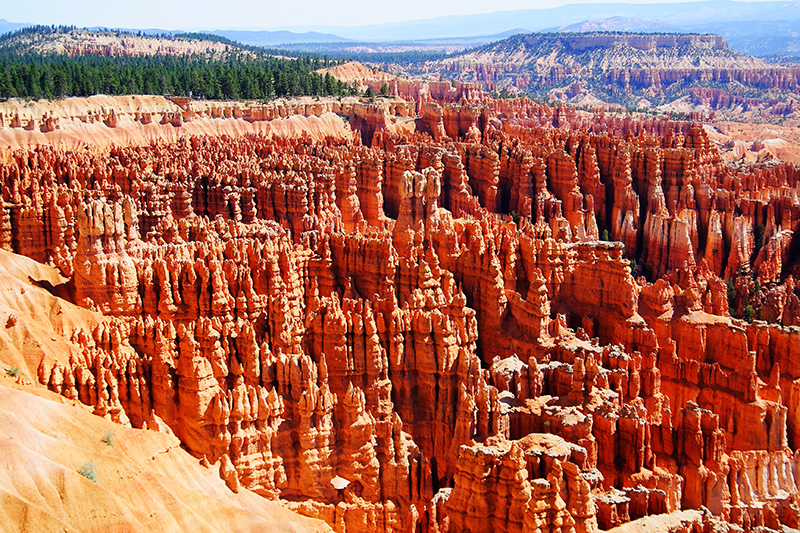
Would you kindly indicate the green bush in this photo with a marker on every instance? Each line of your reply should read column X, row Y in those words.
column 108, row 438
column 634, row 268
column 731, row 294
column 13, row 371
column 88, row 470
column 749, row 313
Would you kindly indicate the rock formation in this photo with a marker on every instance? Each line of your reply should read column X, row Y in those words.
column 422, row 330
column 632, row 69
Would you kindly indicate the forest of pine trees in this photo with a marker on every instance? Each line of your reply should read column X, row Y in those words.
column 242, row 75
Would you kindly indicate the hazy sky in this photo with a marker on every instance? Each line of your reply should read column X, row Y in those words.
column 214, row 14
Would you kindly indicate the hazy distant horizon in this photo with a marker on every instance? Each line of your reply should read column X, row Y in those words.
column 199, row 15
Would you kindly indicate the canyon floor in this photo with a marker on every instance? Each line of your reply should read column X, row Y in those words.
column 436, row 312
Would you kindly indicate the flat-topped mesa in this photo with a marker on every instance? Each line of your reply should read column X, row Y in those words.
column 626, row 68
column 639, row 41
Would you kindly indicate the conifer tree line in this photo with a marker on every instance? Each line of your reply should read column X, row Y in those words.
column 244, row 74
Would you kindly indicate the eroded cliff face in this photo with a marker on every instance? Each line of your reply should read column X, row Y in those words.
column 426, row 331
column 625, row 63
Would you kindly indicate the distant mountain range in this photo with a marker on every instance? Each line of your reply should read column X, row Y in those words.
column 8, row 27
column 273, row 38
column 683, row 14
column 757, row 28
column 363, row 49
column 754, row 37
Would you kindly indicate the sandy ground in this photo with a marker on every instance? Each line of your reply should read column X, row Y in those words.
column 144, row 481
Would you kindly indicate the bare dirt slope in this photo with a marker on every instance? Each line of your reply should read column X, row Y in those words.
column 36, row 325
column 144, row 480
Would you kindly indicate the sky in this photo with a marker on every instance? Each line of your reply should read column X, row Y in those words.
column 253, row 14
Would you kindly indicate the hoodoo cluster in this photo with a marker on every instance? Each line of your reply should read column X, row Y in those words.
column 430, row 318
